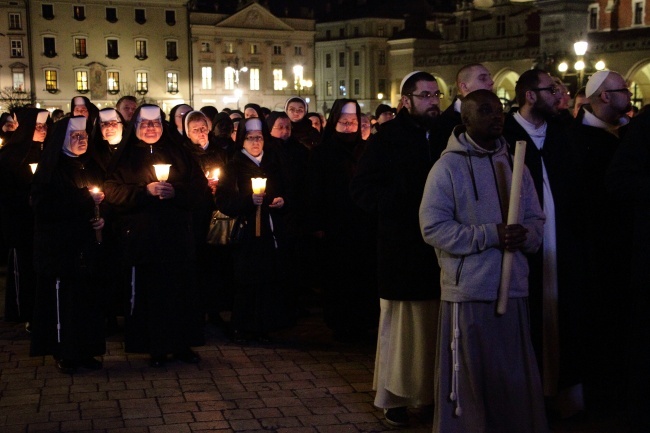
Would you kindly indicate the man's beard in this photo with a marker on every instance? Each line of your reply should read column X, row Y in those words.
column 543, row 110
column 425, row 119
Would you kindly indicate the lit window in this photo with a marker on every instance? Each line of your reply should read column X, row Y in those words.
column 172, row 82
column 82, row 81
column 16, row 48
column 140, row 49
column 255, row 78
column 15, row 22
column 112, row 51
column 80, row 48
column 18, row 81
column 206, row 77
column 51, row 82
column 278, row 82
column 113, row 82
column 229, row 78
column 141, row 82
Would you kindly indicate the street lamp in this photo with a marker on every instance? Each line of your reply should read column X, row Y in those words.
column 236, row 70
column 580, row 48
column 298, row 82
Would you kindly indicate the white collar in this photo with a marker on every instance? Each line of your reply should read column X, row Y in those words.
column 590, row 119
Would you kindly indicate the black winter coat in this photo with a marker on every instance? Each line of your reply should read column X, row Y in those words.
column 389, row 183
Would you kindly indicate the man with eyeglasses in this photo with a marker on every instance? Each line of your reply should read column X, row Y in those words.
column 603, row 232
column 389, row 183
column 552, row 276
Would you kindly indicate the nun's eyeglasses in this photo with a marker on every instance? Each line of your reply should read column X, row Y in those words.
column 41, row 127
column 254, row 138
column 110, row 124
column 151, row 124
column 78, row 136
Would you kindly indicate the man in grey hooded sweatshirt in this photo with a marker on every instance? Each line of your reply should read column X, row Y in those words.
column 487, row 378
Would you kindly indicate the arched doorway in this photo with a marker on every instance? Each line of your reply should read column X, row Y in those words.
column 639, row 81
column 504, row 85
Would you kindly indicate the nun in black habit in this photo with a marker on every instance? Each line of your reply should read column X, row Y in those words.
column 23, row 149
column 162, row 315
column 66, row 194
column 260, row 299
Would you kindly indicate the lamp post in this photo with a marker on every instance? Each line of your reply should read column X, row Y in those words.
column 299, row 83
column 236, row 70
column 580, row 48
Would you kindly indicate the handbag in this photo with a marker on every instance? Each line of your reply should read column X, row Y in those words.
column 238, row 232
column 221, row 226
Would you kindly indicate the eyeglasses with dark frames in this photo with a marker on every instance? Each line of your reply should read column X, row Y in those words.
column 428, row 95
column 623, row 90
column 551, row 89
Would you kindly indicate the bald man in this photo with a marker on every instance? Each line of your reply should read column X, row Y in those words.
column 469, row 78
column 602, row 228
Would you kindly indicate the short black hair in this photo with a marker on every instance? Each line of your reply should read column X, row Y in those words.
column 412, row 81
column 527, row 81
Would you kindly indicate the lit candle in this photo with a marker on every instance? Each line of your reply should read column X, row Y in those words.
column 259, row 186
column 216, row 174
column 33, row 166
column 162, row 171
column 0, row 142
column 98, row 233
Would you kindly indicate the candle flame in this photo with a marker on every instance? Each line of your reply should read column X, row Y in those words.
column 33, row 167
column 216, row 174
column 259, row 185
column 162, row 171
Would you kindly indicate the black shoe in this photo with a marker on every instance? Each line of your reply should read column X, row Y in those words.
column 157, row 361
column 66, row 366
column 187, row 356
column 397, row 416
column 91, row 363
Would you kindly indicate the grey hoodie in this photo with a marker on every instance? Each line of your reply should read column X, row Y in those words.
column 465, row 197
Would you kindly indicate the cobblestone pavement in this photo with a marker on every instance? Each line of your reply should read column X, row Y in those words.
column 303, row 382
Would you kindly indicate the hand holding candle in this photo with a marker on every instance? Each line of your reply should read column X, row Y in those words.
column 259, row 187
column 513, row 218
column 213, row 180
column 162, row 189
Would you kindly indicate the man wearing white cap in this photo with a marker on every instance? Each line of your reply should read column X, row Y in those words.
column 594, row 139
column 389, row 183
column 552, row 275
